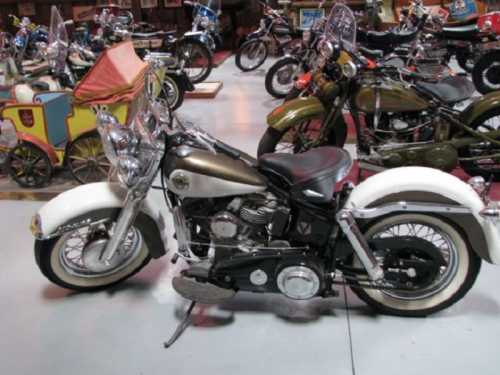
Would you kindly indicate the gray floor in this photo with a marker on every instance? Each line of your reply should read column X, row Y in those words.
column 48, row 330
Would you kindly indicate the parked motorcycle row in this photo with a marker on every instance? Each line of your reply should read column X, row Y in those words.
column 408, row 241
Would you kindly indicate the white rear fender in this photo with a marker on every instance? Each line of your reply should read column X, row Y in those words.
column 422, row 184
column 74, row 203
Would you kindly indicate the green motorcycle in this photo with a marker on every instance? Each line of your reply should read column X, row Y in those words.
column 398, row 123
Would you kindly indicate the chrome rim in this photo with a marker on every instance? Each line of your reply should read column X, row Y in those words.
column 252, row 55
column 437, row 237
column 172, row 92
column 283, row 80
column 75, row 243
column 196, row 62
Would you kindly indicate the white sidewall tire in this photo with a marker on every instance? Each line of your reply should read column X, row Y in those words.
column 444, row 296
column 94, row 282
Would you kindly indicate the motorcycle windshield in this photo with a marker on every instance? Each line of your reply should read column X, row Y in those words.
column 209, row 8
column 341, row 27
column 58, row 40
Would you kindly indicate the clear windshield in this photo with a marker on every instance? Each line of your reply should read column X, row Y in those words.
column 341, row 27
column 214, row 5
column 58, row 40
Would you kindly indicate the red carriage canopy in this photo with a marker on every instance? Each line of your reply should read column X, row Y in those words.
column 118, row 75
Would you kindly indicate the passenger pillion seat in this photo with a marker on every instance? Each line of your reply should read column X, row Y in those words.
column 311, row 175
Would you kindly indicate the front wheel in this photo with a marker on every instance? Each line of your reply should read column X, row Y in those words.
column 251, row 55
column 427, row 262
column 196, row 60
column 300, row 138
column 486, row 72
column 72, row 260
column 281, row 76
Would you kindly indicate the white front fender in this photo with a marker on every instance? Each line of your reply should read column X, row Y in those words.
column 428, row 180
column 82, row 199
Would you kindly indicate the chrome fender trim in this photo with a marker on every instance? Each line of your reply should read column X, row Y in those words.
column 463, row 202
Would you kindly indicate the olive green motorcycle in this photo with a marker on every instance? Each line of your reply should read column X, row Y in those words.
column 398, row 123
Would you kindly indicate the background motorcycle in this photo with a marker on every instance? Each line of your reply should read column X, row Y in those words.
column 26, row 39
column 274, row 27
column 274, row 225
column 205, row 27
column 397, row 123
column 282, row 74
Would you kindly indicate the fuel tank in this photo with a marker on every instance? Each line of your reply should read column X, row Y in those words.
column 394, row 97
column 195, row 173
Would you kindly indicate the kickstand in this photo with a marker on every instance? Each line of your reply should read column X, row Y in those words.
column 181, row 327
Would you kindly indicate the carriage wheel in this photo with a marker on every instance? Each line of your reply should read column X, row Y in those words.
column 86, row 160
column 29, row 166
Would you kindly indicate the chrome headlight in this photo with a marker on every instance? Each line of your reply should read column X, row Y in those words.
column 117, row 140
column 349, row 70
column 204, row 22
column 129, row 170
column 326, row 49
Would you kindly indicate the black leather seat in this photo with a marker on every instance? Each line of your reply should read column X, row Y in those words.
column 386, row 40
column 467, row 32
column 311, row 175
column 450, row 90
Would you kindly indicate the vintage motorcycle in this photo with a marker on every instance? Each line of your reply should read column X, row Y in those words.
column 274, row 28
column 283, row 73
column 27, row 37
column 205, row 27
column 476, row 47
column 398, row 122
column 408, row 241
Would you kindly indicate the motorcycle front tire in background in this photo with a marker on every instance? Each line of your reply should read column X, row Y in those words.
column 198, row 59
column 274, row 87
column 486, row 72
column 253, row 49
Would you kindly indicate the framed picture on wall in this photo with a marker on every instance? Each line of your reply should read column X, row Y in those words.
column 127, row 4
column 26, row 9
column 147, row 4
column 172, row 3
column 307, row 16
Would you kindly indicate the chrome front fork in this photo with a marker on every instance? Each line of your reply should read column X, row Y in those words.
column 128, row 214
column 348, row 225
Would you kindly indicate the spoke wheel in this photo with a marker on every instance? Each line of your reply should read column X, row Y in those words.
column 488, row 167
column 251, row 55
column 430, row 266
column 29, row 166
column 281, row 76
column 86, row 160
column 196, row 59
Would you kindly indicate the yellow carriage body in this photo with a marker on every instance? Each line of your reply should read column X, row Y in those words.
column 55, row 119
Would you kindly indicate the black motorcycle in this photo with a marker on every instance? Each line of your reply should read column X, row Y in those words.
column 274, row 28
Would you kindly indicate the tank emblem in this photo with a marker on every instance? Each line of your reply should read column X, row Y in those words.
column 181, row 181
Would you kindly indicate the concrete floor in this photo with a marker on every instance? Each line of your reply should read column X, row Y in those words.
column 48, row 330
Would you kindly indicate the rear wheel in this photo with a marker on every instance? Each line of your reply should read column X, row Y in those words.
column 487, row 167
column 486, row 73
column 281, row 76
column 430, row 266
column 251, row 55
column 72, row 260
column 196, row 59
column 29, row 166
